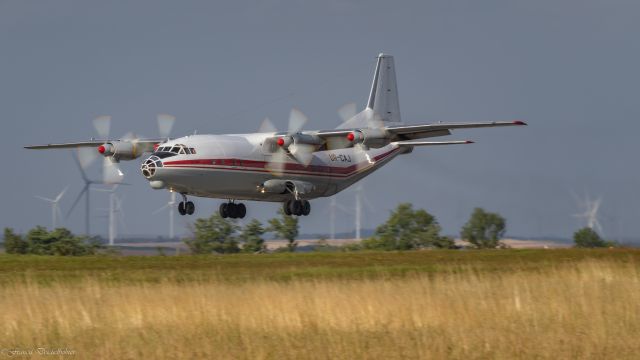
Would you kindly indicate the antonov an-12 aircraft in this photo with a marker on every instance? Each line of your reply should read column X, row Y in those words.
column 289, row 167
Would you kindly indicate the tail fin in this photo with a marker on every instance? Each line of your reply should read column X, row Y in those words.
column 383, row 99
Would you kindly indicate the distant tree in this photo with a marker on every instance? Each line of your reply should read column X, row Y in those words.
column 213, row 234
column 14, row 243
column 285, row 227
column 63, row 242
column 39, row 241
column 251, row 237
column 484, row 229
column 408, row 229
column 588, row 238
column 60, row 241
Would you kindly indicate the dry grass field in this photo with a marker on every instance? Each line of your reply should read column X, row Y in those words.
column 549, row 304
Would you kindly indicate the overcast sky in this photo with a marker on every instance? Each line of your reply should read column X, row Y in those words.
column 570, row 68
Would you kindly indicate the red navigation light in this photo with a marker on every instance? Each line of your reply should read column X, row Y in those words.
column 350, row 137
column 101, row 149
column 280, row 141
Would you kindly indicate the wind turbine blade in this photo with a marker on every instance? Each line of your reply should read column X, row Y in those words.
column 84, row 190
column 297, row 119
column 343, row 208
column 165, row 124
column 102, row 124
column 367, row 203
column 267, row 126
column 347, row 111
column 111, row 173
column 44, row 198
column 160, row 209
column 596, row 205
column 61, row 194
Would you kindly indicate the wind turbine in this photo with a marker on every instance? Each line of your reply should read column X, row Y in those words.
column 82, row 160
column 55, row 207
column 590, row 213
column 171, row 206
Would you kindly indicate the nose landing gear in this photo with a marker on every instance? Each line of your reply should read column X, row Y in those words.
column 233, row 210
column 186, row 207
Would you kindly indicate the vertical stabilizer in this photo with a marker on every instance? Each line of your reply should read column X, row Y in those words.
column 383, row 99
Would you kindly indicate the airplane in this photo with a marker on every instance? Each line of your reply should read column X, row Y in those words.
column 290, row 167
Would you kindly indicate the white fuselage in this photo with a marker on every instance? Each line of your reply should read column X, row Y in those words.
column 234, row 167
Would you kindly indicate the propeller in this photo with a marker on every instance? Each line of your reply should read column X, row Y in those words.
column 368, row 119
column 102, row 124
column 267, row 126
column 287, row 145
column 165, row 124
column 111, row 172
column 347, row 111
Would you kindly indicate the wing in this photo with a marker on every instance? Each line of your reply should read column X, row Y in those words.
column 403, row 134
column 145, row 143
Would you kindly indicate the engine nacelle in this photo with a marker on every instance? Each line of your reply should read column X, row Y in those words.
column 277, row 186
column 274, row 186
column 120, row 150
column 369, row 137
column 271, row 144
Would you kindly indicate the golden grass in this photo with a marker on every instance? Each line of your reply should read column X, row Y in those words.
column 586, row 309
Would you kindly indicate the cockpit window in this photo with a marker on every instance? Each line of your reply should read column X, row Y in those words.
column 176, row 149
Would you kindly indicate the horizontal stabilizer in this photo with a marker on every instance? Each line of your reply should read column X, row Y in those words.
column 411, row 143
column 410, row 129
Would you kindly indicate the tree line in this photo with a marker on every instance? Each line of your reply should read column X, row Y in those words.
column 405, row 229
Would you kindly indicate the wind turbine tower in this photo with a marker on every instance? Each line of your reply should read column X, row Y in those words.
column 333, row 209
column 360, row 201
column 171, row 206
column 115, row 207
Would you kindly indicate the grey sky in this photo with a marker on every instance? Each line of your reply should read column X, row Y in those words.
column 568, row 68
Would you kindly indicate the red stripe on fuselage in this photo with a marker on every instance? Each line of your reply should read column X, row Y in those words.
column 261, row 166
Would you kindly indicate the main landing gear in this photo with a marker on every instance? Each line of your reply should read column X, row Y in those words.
column 296, row 207
column 233, row 210
column 186, row 207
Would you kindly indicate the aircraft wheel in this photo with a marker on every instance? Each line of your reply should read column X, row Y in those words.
column 241, row 210
column 295, row 207
column 306, row 208
column 286, row 207
column 181, row 208
column 224, row 210
column 232, row 209
column 190, row 208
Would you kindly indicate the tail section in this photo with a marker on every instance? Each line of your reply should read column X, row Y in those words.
column 383, row 107
column 383, row 99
